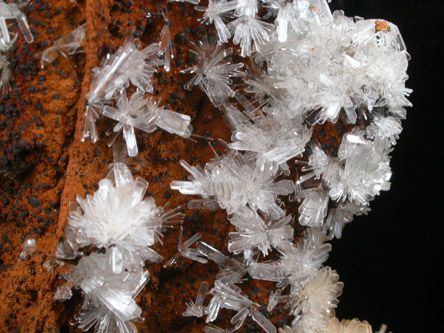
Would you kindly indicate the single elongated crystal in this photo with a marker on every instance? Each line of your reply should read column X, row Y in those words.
column 196, row 309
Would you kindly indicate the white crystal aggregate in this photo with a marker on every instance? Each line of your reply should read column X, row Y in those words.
column 122, row 223
column 233, row 181
column 144, row 114
column 310, row 67
column 131, row 66
column 213, row 70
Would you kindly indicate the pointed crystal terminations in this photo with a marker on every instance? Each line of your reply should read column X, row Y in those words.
column 122, row 223
column 144, row 114
column 213, row 71
column 185, row 250
column 129, row 65
column 233, row 181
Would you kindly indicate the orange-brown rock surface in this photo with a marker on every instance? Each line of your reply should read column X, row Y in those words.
column 44, row 164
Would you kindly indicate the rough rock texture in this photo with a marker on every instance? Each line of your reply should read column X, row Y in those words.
column 44, row 164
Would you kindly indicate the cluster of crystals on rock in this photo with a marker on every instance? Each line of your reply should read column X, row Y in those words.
column 69, row 44
column 120, row 221
column 213, row 70
column 310, row 67
column 233, row 182
column 11, row 11
column 131, row 66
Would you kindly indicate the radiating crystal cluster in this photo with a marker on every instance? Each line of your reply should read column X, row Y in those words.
column 122, row 223
column 11, row 12
column 130, row 66
column 310, row 67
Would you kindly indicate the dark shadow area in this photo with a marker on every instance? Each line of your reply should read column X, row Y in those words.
column 389, row 259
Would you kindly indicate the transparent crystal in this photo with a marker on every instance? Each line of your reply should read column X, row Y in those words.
column 185, row 251
column 213, row 71
column 197, row 309
column 29, row 247
column 63, row 293
column 218, row 11
column 68, row 44
column 108, row 297
column 166, row 46
column 313, row 209
column 253, row 232
column 250, row 33
column 11, row 11
column 234, row 182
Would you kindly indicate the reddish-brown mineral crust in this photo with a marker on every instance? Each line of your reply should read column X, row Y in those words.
column 44, row 164
column 382, row 25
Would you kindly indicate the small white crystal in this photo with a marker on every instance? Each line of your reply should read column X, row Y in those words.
column 29, row 247
column 218, row 11
column 166, row 46
column 63, row 293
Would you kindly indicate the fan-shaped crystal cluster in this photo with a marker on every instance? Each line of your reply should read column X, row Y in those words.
column 119, row 221
column 131, row 66
column 310, row 67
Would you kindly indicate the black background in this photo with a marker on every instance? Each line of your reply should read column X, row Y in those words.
column 390, row 260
